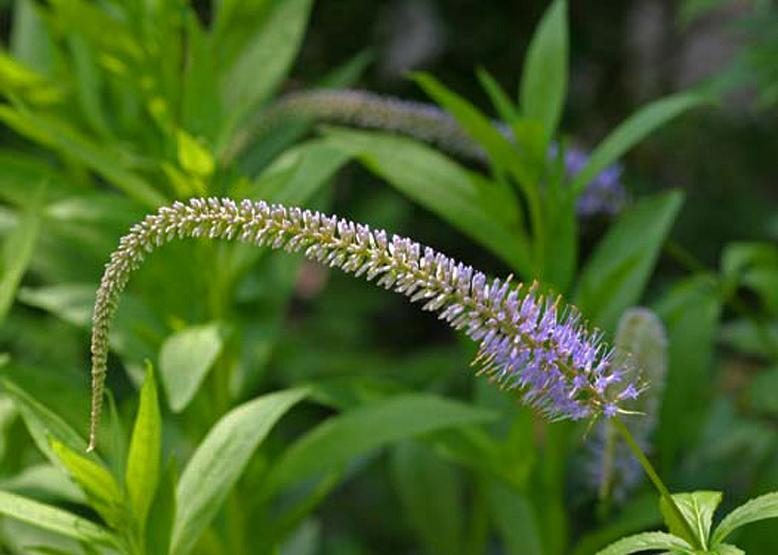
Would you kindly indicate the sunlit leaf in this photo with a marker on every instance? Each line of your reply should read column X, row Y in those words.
column 143, row 459
column 53, row 519
column 184, row 361
column 219, row 461
column 647, row 541
column 760, row 508
column 544, row 78
column 339, row 439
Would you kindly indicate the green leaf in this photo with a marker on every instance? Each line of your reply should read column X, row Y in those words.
column 72, row 302
column 54, row 519
column 760, row 508
column 201, row 109
column 544, row 79
column 69, row 142
column 265, row 60
column 293, row 516
column 753, row 265
column 42, row 423
column 193, row 157
column 691, row 311
column 162, row 514
column 501, row 151
column 299, row 173
column 143, row 459
column 697, row 508
column 763, row 392
column 476, row 208
column 89, row 85
column 502, row 104
column 638, row 514
column 97, row 483
column 17, row 252
column 515, row 519
column 727, row 549
column 184, row 361
column 430, row 491
column 645, row 542
column 561, row 241
column 619, row 268
column 342, row 438
column 637, row 127
column 30, row 41
column 219, row 461
column 349, row 72
column 97, row 26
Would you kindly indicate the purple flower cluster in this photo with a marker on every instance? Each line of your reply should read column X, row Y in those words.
column 604, row 194
column 557, row 365
column 527, row 343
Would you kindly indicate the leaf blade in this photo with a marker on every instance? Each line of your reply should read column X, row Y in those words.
column 53, row 519
column 219, row 460
column 18, row 251
column 644, row 542
column 633, row 130
column 443, row 187
column 341, row 438
column 619, row 268
column 95, row 480
column 184, row 360
column 142, row 474
column 544, row 78
column 759, row 508
column 697, row 508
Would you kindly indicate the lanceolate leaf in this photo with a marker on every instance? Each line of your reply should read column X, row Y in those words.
column 617, row 272
column 162, row 512
column 17, row 252
column 632, row 131
column 266, row 59
column 144, row 455
column 500, row 150
column 430, row 490
column 647, row 541
column 475, row 207
column 184, row 361
column 53, row 519
column 544, row 79
column 760, row 508
column 219, row 461
column 69, row 142
column 43, row 424
column 697, row 508
column 98, row 484
column 500, row 100
column 341, row 438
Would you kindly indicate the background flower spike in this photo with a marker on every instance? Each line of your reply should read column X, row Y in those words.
column 612, row 470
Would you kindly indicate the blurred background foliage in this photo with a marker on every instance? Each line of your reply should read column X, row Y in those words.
column 113, row 108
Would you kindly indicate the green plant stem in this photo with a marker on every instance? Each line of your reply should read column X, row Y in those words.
column 654, row 477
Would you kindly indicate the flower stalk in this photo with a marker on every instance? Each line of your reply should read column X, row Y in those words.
column 654, row 477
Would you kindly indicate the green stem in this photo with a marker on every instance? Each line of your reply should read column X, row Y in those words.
column 655, row 479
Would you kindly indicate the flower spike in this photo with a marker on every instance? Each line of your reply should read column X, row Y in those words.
column 527, row 343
